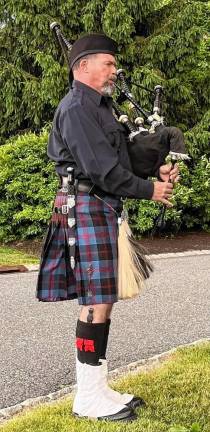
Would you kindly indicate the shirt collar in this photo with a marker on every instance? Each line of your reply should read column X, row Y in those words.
column 93, row 94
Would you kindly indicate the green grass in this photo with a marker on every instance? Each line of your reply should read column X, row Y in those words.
column 177, row 395
column 10, row 256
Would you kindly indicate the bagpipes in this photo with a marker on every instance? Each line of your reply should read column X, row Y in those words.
column 147, row 148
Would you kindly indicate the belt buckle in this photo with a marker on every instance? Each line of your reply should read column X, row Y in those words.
column 65, row 209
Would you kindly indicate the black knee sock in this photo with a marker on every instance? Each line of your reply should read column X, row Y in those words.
column 89, row 340
column 105, row 340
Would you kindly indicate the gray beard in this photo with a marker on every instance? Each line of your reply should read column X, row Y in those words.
column 108, row 90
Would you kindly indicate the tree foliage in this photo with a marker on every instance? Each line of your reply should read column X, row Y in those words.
column 157, row 43
column 160, row 42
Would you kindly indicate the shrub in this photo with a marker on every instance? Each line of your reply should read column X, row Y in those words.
column 27, row 186
column 191, row 201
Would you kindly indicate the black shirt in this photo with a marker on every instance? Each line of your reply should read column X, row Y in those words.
column 87, row 136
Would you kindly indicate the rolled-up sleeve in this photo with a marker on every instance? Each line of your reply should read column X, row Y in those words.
column 97, row 158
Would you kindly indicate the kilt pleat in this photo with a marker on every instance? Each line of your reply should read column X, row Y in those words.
column 94, row 279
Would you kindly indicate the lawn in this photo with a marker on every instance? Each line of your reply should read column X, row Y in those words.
column 177, row 394
column 10, row 256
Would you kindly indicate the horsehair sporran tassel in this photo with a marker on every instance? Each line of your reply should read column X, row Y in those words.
column 133, row 266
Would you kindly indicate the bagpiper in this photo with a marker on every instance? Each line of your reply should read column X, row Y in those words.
column 80, row 254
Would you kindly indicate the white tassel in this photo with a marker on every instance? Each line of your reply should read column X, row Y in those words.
column 133, row 266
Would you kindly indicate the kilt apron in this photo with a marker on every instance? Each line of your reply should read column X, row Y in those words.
column 94, row 279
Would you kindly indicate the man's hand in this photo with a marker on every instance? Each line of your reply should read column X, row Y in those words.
column 163, row 192
column 166, row 173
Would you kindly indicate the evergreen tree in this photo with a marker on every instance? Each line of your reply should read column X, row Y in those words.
column 33, row 76
column 176, row 54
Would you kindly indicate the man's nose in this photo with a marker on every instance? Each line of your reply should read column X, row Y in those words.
column 114, row 73
column 114, row 69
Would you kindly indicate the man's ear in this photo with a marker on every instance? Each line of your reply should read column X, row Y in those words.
column 84, row 65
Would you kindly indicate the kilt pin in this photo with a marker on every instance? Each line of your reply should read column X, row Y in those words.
column 94, row 279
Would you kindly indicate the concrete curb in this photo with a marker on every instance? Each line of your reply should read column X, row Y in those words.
column 135, row 367
column 179, row 254
column 35, row 267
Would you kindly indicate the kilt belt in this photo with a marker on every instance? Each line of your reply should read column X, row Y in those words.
column 82, row 185
column 85, row 186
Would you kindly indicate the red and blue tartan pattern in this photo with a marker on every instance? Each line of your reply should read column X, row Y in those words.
column 94, row 280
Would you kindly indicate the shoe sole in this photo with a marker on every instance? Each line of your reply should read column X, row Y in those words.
column 134, row 405
column 131, row 418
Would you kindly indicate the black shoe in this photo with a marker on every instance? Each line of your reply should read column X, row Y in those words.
column 136, row 402
column 126, row 414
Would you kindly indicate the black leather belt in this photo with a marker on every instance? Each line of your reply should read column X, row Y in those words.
column 85, row 186
column 88, row 187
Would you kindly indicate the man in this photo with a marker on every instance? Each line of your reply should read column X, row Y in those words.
column 87, row 137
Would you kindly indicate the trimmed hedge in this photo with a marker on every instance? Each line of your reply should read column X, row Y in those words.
column 191, row 201
column 27, row 186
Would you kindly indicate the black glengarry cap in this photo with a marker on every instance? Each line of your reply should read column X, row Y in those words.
column 92, row 44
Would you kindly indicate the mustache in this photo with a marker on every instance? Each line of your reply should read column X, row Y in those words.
column 113, row 78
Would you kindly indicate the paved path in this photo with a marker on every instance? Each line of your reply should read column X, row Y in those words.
column 37, row 339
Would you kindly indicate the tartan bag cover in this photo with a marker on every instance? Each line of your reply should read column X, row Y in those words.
column 94, row 279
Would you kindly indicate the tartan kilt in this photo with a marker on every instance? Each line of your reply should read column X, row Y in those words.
column 94, row 279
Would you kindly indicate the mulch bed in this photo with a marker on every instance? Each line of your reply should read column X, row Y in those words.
column 182, row 242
